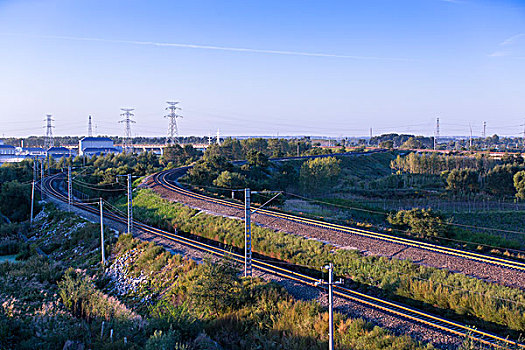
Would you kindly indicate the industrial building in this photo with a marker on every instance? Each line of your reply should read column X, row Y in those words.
column 7, row 149
column 59, row 152
column 90, row 146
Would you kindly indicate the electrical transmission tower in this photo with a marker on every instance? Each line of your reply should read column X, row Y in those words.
column 436, row 136
column 126, row 113
column 173, row 130
column 90, row 128
column 48, row 141
column 218, row 137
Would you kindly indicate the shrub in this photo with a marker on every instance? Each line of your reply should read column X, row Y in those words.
column 422, row 222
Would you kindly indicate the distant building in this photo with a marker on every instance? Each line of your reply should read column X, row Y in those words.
column 31, row 151
column 90, row 146
column 59, row 152
column 98, row 151
column 7, row 149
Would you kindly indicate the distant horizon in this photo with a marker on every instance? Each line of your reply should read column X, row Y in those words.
column 326, row 137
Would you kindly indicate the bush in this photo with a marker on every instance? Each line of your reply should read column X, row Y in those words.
column 422, row 222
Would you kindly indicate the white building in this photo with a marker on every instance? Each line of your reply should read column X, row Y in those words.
column 90, row 146
column 31, row 151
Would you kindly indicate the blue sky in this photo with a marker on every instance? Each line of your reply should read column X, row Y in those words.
column 264, row 67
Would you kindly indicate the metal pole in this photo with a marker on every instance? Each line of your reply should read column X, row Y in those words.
column 32, row 200
column 247, row 235
column 69, row 188
column 331, row 307
column 102, row 234
column 41, row 178
column 130, row 206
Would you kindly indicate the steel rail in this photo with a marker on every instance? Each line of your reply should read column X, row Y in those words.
column 396, row 309
column 160, row 179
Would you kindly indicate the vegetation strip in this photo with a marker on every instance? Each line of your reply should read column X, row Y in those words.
column 367, row 271
column 486, row 334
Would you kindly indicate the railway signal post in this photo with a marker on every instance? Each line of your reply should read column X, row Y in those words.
column 330, row 268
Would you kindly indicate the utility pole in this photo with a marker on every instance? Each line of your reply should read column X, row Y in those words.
column 248, row 226
column 523, row 133
column 130, row 206
column 41, row 178
column 247, row 234
column 330, row 268
column 126, row 113
column 436, row 135
column 48, row 140
column 35, row 169
column 90, row 128
column 173, row 131
column 69, row 188
column 470, row 139
column 130, row 203
column 484, row 129
column 32, row 200
column 102, row 248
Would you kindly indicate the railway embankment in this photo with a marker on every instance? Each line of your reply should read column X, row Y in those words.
column 468, row 299
column 148, row 297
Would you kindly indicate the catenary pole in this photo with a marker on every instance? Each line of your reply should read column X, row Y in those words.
column 32, row 200
column 102, row 248
column 130, row 206
column 247, row 234
column 69, row 188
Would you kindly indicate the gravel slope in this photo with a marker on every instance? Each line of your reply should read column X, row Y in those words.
column 369, row 246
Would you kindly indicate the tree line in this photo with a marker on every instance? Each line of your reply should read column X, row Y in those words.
column 464, row 175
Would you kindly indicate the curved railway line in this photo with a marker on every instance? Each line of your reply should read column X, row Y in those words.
column 396, row 309
column 161, row 179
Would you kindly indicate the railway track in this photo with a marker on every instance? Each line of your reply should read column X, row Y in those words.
column 161, row 179
column 396, row 309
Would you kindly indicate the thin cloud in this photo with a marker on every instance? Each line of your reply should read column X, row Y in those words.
column 509, row 47
column 512, row 39
column 217, row 48
column 499, row 54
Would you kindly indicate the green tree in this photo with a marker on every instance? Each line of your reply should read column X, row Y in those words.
column 519, row 184
column 387, row 144
column 230, row 179
column 319, row 174
column 500, row 179
column 15, row 200
column 257, row 158
column 421, row 222
column 463, row 181
column 216, row 288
